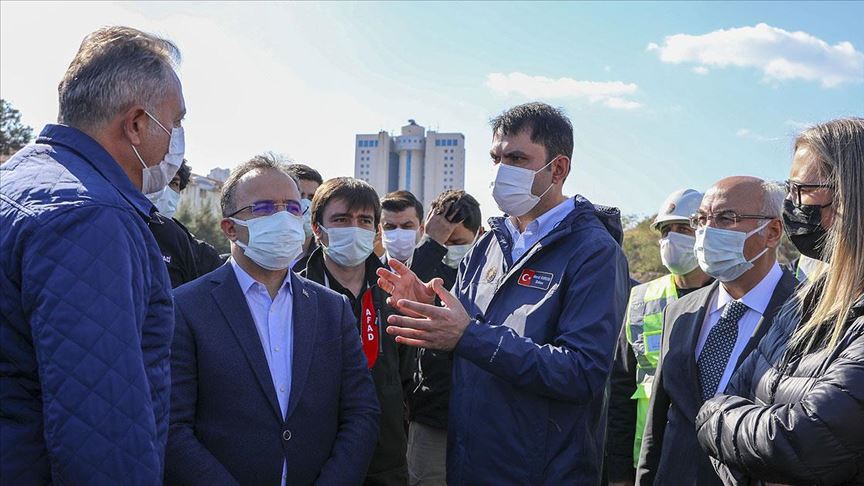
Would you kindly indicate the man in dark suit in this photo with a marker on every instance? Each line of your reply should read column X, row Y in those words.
column 270, row 385
column 708, row 333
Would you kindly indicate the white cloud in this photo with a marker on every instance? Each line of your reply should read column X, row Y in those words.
column 780, row 55
column 700, row 70
column 748, row 134
column 612, row 94
column 797, row 125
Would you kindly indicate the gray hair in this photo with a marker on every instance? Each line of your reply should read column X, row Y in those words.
column 114, row 69
column 772, row 198
column 265, row 161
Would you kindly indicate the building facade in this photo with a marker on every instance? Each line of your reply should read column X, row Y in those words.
column 202, row 193
column 426, row 163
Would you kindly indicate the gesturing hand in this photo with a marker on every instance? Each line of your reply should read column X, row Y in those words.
column 403, row 284
column 438, row 328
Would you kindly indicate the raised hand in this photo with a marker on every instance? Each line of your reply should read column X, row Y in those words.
column 441, row 223
column 431, row 327
column 403, row 284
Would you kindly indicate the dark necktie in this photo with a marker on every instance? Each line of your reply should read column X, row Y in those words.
column 718, row 347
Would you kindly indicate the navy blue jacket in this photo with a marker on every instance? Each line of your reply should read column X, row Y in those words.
column 530, row 373
column 85, row 319
column 226, row 423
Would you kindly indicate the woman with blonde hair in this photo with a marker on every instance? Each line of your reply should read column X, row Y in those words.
column 794, row 412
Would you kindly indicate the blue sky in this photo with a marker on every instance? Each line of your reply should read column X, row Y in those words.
column 661, row 95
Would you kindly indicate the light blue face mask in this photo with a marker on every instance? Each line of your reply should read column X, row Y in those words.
column 166, row 201
column 349, row 246
column 721, row 252
column 455, row 254
column 306, row 205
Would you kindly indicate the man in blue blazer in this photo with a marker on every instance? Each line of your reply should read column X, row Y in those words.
column 270, row 385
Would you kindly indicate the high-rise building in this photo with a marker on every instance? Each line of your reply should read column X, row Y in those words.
column 423, row 162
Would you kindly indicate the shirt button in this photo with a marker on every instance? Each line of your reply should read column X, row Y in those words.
column 282, row 388
column 276, row 349
column 286, row 435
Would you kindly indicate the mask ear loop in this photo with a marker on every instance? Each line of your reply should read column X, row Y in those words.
column 757, row 230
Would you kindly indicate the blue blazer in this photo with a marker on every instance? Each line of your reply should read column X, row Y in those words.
column 226, row 425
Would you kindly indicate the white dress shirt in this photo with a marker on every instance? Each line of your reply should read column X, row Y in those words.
column 537, row 229
column 275, row 325
column 756, row 301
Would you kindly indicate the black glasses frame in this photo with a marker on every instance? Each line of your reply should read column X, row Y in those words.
column 793, row 188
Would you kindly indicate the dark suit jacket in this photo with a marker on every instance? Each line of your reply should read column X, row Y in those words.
column 226, row 425
column 670, row 451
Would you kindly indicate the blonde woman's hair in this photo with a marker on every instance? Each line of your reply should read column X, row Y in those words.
column 838, row 147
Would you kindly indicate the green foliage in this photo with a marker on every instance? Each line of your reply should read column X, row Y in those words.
column 204, row 225
column 13, row 134
column 642, row 247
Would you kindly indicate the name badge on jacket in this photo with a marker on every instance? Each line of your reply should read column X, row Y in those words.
column 535, row 280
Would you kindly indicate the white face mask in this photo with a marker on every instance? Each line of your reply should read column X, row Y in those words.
column 274, row 241
column 306, row 205
column 400, row 243
column 511, row 189
column 166, row 201
column 721, row 252
column 455, row 254
column 677, row 253
column 349, row 246
column 158, row 177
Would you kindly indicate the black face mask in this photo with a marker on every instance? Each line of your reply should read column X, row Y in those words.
column 803, row 224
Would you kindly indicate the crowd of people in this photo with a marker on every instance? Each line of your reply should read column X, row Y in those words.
column 352, row 337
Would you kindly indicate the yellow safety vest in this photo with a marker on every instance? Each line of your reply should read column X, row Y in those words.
column 644, row 327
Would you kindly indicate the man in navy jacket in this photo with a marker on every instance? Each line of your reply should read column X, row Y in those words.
column 532, row 320
column 85, row 303
column 270, row 385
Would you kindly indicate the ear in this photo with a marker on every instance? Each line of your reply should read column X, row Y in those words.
column 135, row 123
column 229, row 229
column 560, row 169
column 316, row 231
column 774, row 233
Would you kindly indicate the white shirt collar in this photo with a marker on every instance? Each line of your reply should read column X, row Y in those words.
column 546, row 222
column 246, row 281
column 757, row 298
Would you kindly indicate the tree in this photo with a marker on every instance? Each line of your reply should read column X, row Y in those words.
column 13, row 134
column 204, row 226
column 642, row 247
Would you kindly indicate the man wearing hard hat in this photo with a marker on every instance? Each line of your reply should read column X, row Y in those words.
column 639, row 342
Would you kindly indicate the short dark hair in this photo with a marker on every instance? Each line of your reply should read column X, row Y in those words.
column 469, row 208
column 184, row 172
column 356, row 193
column 303, row 172
column 548, row 126
column 397, row 201
column 258, row 162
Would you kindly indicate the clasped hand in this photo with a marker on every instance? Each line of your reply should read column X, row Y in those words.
column 422, row 323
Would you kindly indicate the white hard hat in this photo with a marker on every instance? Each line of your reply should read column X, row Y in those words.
column 678, row 207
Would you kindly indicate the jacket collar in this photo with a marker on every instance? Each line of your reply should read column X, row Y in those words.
column 229, row 298
column 90, row 150
column 574, row 220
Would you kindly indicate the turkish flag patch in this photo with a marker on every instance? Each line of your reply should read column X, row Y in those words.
column 535, row 280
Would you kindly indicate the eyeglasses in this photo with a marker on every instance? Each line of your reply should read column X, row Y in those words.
column 266, row 208
column 794, row 189
column 723, row 219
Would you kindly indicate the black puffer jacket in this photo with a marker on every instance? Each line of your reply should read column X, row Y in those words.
column 801, row 418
